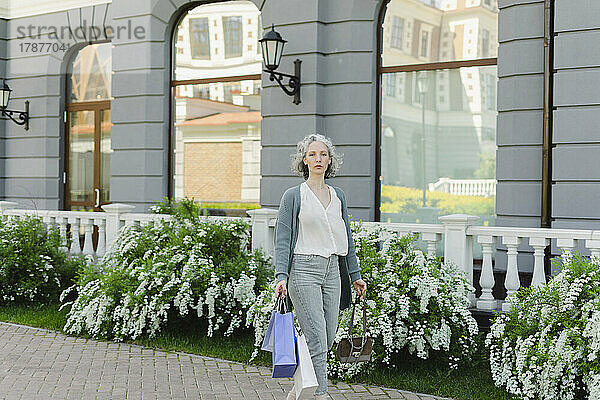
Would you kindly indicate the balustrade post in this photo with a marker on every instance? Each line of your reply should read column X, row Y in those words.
column 458, row 246
column 512, row 283
column 101, row 249
column 88, row 228
column 263, row 232
column 594, row 245
column 431, row 238
column 7, row 205
column 567, row 246
column 113, row 220
column 62, row 227
column 539, row 244
column 75, row 224
column 486, row 301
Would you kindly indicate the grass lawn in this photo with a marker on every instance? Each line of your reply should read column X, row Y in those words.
column 474, row 383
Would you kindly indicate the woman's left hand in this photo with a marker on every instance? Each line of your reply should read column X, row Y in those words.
column 360, row 286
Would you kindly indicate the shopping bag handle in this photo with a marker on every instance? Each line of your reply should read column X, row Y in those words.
column 280, row 305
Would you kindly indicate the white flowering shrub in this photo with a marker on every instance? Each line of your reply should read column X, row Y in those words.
column 189, row 268
column 548, row 346
column 414, row 302
column 33, row 269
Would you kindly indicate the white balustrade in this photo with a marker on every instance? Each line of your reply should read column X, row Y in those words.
column 539, row 245
column 457, row 231
column 486, row 301
column 512, row 283
column 75, row 227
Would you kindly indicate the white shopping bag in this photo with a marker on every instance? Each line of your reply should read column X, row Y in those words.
column 305, row 379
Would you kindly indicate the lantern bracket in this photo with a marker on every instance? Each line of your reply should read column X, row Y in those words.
column 293, row 81
column 22, row 116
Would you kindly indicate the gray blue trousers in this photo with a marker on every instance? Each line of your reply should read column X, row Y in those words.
column 314, row 287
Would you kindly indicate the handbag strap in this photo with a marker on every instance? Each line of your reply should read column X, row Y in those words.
column 364, row 318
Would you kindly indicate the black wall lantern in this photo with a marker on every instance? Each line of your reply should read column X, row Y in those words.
column 272, row 50
column 22, row 116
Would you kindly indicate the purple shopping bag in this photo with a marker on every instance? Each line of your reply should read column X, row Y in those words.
column 284, row 345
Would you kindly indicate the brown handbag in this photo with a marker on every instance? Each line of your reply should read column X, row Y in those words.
column 355, row 349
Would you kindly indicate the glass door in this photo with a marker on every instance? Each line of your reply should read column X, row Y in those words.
column 87, row 185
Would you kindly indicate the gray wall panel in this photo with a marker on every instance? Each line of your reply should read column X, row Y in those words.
column 521, row 21
column 147, row 135
column 576, row 200
column 510, row 3
column 147, row 55
column 139, row 109
column 576, row 124
column 26, row 202
column 339, row 10
column 576, row 162
column 33, row 65
column 520, row 127
column 38, row 126
column 26, row 88
column 32, row 147
column 573, row 50
column 289, row 130
column 133, row 8
column 334, row 99
column 142, row 82
column 576, row 14
column 520, row 92
column 574, row 87
column 31, row 187
column 522, row 222
column 138, row 189
column 518, row 199
column 132, row 162
column 513, row 62
column 29, row 167
column 528, row 167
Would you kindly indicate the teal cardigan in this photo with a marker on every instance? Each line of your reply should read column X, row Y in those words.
column 286, row 235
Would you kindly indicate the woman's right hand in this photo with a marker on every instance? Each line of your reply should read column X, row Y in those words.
column 281, row 288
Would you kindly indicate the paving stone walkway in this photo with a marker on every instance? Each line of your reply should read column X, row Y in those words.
column 42, row 364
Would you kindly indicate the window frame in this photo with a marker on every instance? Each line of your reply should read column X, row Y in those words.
column 425, row 66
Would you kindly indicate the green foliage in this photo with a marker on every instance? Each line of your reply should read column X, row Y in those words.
column 415, row 303
column 32, row 267
column 397, row 199
column 188, row 208
column 548, row 346
column 157, row 274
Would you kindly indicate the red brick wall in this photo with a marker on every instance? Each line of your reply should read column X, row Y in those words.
column 213, row 171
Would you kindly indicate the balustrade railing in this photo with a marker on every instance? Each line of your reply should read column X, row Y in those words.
column 457, row 233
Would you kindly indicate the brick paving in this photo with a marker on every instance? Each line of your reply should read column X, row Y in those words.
column 42, row 364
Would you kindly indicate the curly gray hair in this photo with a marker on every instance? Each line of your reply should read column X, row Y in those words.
column 298, row 166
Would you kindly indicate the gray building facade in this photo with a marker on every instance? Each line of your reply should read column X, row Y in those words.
column 337, row 42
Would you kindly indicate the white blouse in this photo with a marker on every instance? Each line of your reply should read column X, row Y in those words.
column 321, row 230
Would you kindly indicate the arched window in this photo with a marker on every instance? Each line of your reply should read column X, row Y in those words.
column 88, row 140
column 216, row 95
column 437, row 109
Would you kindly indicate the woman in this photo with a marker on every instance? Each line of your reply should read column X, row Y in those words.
column 315, row 259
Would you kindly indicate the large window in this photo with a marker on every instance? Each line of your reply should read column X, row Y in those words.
column 88, row 139
column 232, row 31
column 216, row 103
column 438, row 135
column 199, row 38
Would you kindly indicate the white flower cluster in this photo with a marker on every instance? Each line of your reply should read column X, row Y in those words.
column 159, row 272
column 547, row 346
column 417, row 303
